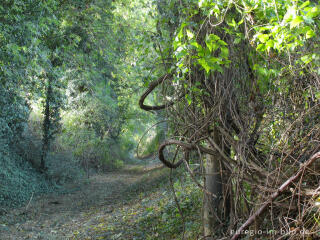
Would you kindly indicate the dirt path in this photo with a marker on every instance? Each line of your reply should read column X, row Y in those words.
column 72, row 215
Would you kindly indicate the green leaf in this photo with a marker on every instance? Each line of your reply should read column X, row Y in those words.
column 222, row 43
column 306, row 59
column 296, row 22
column 232, row 24
column 237, row 41
column 312, row 12
column 204, row 64
column 188, row 98
column 218, row 68
column 181, row 52
column 176, row 43
column 310, row 34
column 190, row 34
column 212, row 46
column 270, row 43
column 212, row 37
column 261, row 47
column 263, row 37
column 303, row 5
column 185, row 70
column 180, row 34
column 196, row 45
column 224, row 52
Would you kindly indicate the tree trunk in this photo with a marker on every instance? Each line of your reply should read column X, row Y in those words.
column 213, row 207
column 46, row 127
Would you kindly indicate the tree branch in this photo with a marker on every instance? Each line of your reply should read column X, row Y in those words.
column 280, row 190
column 151, row 87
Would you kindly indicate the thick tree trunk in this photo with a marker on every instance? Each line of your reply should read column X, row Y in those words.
column 213, row 206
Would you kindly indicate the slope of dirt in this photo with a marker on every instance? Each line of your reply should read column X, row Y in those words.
column 77, row 214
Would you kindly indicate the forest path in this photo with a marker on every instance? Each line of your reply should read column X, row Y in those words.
column 86, row 209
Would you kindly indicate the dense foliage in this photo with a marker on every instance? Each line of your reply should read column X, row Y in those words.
column 241, row 84
column 68, row 87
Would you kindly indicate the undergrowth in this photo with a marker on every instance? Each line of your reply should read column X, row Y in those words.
column 151, row 212
column 163, row 220
column 18, row 180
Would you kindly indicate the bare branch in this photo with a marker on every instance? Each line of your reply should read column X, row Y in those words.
column 280, row 190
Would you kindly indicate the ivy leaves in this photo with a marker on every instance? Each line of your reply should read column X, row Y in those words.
column 292, row 27
column 214, row 55
column 211, row 57
column 274, row 29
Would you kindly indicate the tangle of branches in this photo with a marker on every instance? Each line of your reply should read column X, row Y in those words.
column 269, row 141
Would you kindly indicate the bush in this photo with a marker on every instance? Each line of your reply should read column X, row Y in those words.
column 89, row 148
column 63, row 168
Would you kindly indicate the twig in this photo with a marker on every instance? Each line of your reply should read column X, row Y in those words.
column 137, row 149
column 29, row 201
column 280, row 190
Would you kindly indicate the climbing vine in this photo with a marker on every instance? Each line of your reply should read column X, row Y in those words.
column 248, row 75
